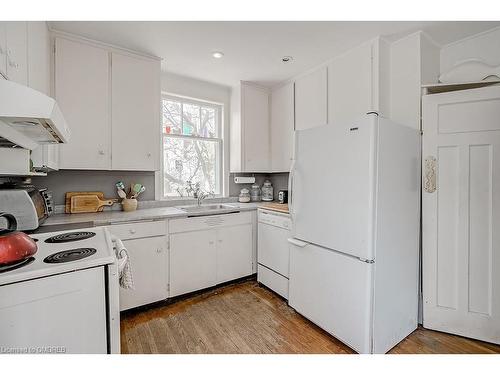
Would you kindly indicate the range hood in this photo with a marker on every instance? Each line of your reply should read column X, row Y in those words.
column 29, row 118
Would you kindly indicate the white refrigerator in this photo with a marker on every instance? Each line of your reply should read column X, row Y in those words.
column 355, row 206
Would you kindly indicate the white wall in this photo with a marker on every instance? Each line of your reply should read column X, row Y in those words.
column 196, row 89
column 484, row 46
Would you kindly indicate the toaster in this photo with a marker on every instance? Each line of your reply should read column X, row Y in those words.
column 283, row 196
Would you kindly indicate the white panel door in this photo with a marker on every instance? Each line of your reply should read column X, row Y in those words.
column 234, row 252
column 82, row 91
column 350, row 85
column 333, row 185
column 148, row 259
column 461, row 217
column 3, row 48
column 135, row 113
column 192, row 261
column 333, row 291
column 17, row 52
column 255, row 119
column 282, row 127
column 311, row 92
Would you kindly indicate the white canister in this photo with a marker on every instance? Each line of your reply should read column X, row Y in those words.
column 244, row 196
column 267, row 191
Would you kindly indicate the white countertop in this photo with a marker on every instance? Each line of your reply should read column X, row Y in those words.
column 107, row 217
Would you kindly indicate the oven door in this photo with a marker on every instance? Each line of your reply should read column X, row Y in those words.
column 64, row 313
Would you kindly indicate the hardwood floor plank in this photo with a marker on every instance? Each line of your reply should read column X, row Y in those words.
column 248, row 318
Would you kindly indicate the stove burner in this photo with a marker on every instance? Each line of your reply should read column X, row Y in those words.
column 15, row 265
column 70, row 255
column 69, row 237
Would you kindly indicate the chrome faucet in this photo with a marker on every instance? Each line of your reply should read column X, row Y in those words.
column 198, row 193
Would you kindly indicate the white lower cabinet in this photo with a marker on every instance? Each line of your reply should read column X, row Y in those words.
column 234, row 252
column 192, row 261
column 146, row 244
column 206, row 251
column 148, row 259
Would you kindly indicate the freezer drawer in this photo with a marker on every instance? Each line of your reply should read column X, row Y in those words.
column 273, row 280
column 332, row 290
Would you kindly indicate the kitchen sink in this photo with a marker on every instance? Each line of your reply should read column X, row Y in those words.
column 207, row 209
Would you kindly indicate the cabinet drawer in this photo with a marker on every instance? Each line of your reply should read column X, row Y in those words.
column 139, row 229
column 206, row 222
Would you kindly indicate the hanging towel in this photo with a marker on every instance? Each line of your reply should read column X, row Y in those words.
column 124, row 267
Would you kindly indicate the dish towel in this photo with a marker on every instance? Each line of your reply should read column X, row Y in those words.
column 124, row 267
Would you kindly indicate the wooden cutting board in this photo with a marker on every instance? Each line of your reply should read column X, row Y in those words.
column 89, row 203
column 70, row 194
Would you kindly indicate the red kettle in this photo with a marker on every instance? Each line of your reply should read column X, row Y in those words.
column 14, row 246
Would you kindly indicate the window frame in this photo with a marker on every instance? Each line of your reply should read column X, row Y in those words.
column 219, row 140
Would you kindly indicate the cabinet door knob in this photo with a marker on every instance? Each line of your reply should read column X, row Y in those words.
column 158, row 251
column 101, row 152
column 149, row 154
column 132, row 231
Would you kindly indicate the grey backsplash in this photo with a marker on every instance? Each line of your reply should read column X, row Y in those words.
column 278, row 180
column 60, row 182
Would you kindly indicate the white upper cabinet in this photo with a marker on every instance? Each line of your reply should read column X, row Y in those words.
column 16, row 51
column 111, row 101
column 82, row 90
column 311, row 99
column 45, row 157
column 249, row 138
column 358, row 82
column 38, row 56
column 282, row 127
column 135, row 111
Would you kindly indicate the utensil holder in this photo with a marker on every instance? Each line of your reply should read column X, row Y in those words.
column 129, row 204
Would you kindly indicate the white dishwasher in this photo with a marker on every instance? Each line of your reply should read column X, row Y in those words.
column 273, row 253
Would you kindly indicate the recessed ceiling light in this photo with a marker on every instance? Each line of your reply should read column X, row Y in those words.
column 217, row 54
column 287, row 59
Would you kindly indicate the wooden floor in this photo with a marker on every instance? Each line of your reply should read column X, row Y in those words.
column 248, row 318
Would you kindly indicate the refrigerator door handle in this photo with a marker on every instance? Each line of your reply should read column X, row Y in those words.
column 297, row 243
column 290, row 189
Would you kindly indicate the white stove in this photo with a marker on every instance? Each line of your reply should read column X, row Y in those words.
column 64, row 299
column 53, row 243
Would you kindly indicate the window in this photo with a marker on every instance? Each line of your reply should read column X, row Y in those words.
column 192, row 145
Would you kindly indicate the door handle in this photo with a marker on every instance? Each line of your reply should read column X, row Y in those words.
column 430, row 174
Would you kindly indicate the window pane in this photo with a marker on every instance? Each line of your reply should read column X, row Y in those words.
column 171, row 117
column 190, row 119
column 208, row 123
column 190, row 160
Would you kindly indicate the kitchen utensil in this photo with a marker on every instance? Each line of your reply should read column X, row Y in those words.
column 122, row 194
column 129, row 204
column 143, row 188
column 89, row 203
column 120, row 185
column 70, row 194
column 14, row 245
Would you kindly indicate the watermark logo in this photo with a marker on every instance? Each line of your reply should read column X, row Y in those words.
column 33, row 350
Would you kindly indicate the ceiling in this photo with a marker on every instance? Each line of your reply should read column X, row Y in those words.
column 253, row 50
